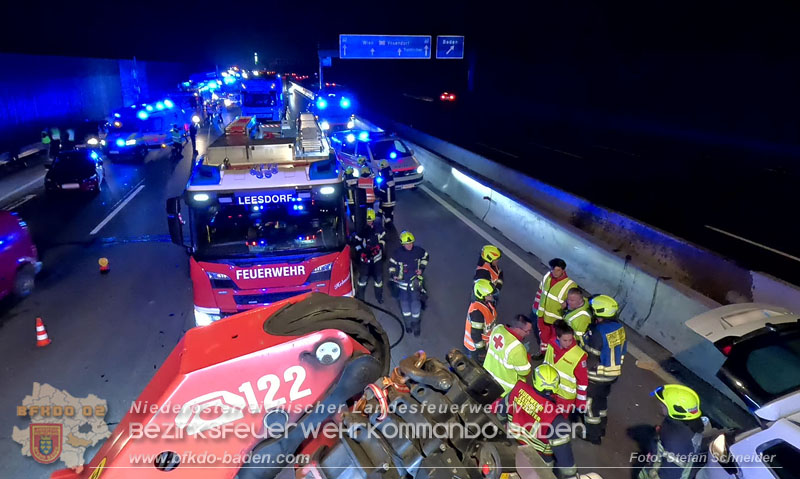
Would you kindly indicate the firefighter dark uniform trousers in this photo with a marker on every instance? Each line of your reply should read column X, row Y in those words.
column 369, row 246
column 402, row 268
column 605, row 346
column 385, row 190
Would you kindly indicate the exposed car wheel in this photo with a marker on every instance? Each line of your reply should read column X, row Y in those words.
column 24, row 281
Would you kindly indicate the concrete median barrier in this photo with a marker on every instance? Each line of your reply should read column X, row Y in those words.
column 649, row 272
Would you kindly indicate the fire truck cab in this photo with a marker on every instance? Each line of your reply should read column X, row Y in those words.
column 265, row 220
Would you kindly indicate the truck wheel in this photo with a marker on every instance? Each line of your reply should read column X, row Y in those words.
column 23, row 283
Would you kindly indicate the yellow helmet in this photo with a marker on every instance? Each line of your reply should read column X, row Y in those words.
column 482, row 288
column 365, row 171
column 362, row 160
column 491, row 253
column 545, row 378
column 406, row 237
column 604, row 306
column 349, row 170
column 370, row 214
column 384, row 164
column 682, row 402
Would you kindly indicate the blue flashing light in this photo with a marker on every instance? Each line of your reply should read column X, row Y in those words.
column 142, row 115
column 168, row 103
column 350, row 138
column 322, row 103
column 379, row 180
column 149, row 108
column 393, row 155
column 363, row 136
column 344, row 103
column 160, row 105
column 120, row 142
column 229, row 80
column 94, row 155
column 117, row 115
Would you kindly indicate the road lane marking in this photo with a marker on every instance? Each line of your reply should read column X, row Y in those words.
column 652, row 364
column 483, row 233
column 19, row 202
column 116, row 210
column 26, row 185
column 497, row 150
column 558, row 151
column 773, row 250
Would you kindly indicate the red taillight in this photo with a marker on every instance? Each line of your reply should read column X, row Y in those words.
column 452, row 97
column 726, row 350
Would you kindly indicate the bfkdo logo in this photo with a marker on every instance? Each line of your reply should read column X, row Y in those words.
column 46, row 442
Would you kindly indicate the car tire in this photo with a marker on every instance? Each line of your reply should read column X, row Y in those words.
column 24, row 281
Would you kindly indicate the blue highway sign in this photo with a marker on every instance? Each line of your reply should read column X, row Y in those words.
column 449, row 47
column 383, row 47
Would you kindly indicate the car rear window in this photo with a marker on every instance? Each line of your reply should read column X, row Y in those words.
column 776, row 367
column 784, row 459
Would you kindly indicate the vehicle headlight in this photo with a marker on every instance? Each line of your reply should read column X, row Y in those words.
column 325, row 125
column 420, row 169
column 228, row 102
column 92, row 141
column 205, row 316
column 327, row 190
column 103, row 142
column 130, row 142
column 351, row 124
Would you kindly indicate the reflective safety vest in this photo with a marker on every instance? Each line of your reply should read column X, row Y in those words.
column 551, row 298
column 366, row 183
column 533, row 418
column 506, row 358
column 493, row 274
column 177, row 136
column 579, row 320
column 567, row 385
column 350, row 185
column 489, row 315
column 607, row 343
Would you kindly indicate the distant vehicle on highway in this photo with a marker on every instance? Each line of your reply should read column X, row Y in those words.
column 91, row 133
column 19, row 260
column 334, row 107
column 377, row 146
column 447, row 97
column 262, row 98
column 75, row 170
column 761, row 349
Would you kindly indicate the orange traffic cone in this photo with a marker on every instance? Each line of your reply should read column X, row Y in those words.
column 41, row 334
column 104, row 268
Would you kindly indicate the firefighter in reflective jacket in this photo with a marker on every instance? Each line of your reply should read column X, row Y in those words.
column 369, row 244
column 506, row 357
column 549, row 303
column 577, row 314
column 536, row 420
column 480, row 316
column 489, row 269
column 672, row 452
column 606, row 346
column 365, row 197
column 350, row 184
column 385, row 190
column 564, row 354
column 406, row 268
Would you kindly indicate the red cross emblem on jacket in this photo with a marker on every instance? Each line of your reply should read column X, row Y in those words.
column 498, row 341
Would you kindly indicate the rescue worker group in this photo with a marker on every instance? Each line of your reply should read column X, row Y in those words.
column 580, row 343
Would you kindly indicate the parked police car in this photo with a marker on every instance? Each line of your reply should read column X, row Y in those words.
column 376, row 146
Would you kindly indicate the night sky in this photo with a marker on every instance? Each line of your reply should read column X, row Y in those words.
column 704, row 66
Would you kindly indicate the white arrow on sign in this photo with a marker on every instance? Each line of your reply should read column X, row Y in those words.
column 452, row 47
column 344, row 50
column 426, row 50
column 372, row 51
column 399, row 51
